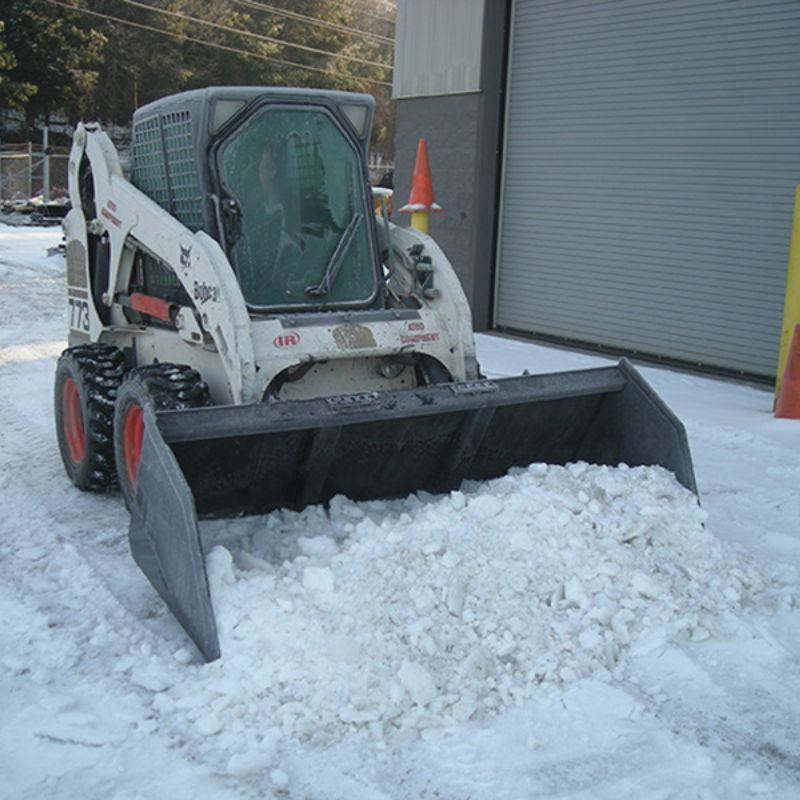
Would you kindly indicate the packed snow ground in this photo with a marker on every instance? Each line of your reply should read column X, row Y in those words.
column 576, row 632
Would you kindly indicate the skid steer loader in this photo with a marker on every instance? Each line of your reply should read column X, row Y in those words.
column 246, row 335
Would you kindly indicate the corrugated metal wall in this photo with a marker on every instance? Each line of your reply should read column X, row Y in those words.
column 651, row 156
column 437, row 47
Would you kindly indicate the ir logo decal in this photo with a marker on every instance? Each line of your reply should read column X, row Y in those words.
column 286, row 340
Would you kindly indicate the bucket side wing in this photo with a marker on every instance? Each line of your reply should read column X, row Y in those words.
column 636, row 427
column 165, row 540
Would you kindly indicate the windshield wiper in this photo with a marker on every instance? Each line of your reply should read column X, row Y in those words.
column 333, row 266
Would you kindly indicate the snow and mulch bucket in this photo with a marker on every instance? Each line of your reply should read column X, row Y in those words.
column 255, row 459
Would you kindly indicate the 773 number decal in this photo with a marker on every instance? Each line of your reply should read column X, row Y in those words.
column 79, row 314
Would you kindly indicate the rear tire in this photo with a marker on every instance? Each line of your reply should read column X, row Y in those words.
column 162, row 387
column 86, row 383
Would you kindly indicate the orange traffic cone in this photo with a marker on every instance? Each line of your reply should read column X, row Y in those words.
column 788, row 405
column 421, row 202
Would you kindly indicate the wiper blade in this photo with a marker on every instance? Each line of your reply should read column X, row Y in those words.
column 332, row 269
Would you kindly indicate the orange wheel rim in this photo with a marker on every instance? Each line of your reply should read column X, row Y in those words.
column 132, row 435
column 73, row 422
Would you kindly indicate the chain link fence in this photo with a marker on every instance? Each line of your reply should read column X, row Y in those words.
column 26, row 173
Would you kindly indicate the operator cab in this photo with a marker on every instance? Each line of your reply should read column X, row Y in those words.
column 279, row 178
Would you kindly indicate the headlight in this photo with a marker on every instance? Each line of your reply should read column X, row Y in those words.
column 390, row 368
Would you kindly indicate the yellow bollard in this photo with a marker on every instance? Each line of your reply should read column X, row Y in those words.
column 419, row 221
column 791, row 307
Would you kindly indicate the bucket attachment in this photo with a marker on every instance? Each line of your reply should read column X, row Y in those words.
column 253, row 459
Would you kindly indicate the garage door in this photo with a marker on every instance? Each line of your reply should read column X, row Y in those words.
column 652, row 150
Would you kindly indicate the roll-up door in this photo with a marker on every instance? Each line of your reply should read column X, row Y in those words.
column 652, row 152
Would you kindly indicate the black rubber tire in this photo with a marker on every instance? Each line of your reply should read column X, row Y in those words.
column 86, row 383
column 162, row 387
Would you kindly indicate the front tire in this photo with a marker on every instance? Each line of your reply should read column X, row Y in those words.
column 86, row 383
column 162, row 387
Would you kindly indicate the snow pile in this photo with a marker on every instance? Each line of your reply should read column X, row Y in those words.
column 397, row 617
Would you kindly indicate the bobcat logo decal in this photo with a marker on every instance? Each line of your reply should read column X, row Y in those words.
column 186, row 257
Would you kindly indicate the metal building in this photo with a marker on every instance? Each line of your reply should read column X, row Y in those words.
column 619, row 174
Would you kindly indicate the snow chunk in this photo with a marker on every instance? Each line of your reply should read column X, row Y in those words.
column 319, row 546
column 418, row 682
column 209, row 724
column 485, row 507
column 456, row 595
column 219, row 565
column 318, row 579
column 279, row 779
column 249, row 763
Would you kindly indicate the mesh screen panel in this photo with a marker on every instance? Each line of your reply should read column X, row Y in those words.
column 172, row 184
column 149, row 170
column 186, row 204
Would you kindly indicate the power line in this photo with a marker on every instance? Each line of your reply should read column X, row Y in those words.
column 323, row 23
column 195, row 40
column 359, row 9
column 258, row 36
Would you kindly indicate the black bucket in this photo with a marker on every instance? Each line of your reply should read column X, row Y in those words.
column 253, row 459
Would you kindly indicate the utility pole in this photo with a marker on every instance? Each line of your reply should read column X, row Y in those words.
column 46, row 168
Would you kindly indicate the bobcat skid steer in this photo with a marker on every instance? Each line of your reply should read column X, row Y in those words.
column 246, row 335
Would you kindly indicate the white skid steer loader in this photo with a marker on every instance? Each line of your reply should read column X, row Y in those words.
column 245, row 335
